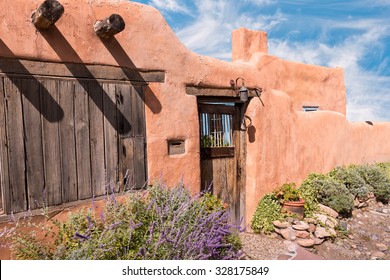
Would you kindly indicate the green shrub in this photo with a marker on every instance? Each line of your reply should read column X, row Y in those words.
column 352, row 179
column 376, row 177
column 328, row 191
column 385, row 167
column 309, row 192
column 267, row 211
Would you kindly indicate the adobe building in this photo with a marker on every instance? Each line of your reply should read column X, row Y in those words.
column 83, row 108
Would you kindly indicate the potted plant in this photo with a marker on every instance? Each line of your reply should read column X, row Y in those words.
column 291, row 200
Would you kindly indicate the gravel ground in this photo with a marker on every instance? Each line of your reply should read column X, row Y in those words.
column 261, row 246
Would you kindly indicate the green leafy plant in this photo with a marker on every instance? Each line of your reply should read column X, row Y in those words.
column 288, row 192
column 206, row 141
column 267, row 211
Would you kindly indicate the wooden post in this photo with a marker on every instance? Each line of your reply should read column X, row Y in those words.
column 47, row 14
column 109, row 26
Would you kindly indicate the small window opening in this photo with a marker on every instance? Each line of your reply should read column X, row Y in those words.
column 310, row 108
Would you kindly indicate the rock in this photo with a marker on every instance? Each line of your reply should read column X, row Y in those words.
column 318, row 241
column 310, row 220
column 296, row 222
column 321, row 218
column 377, row 255
column 331, row 222
column 324, row 232
column 386, row 211
column 293, row 238
column 353, row 246
column 280, row 224
column 351, row 237
column 302, row 234
column 360, row 247
column 291, row 246
column 382, row 247
column 329, row 211
column 288, row 234
column 306, row 242
column 362, row 204
column 301, row 226
column 312, row 228
column 379, row 210
column 374, row 237
column 290, row 220
column 357, row 253
column 387, row 229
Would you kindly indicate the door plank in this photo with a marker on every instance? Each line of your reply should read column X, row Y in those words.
column 126, row 141
column 16, row 153
column 96, row 139
column 138, row 111
column 139, row 162
column 126, row 164
column 125, row 102
column 68, row 142
column 51, row 143
column 110, row 138
column 83, row 155
column 33, row 144
column 4, row 177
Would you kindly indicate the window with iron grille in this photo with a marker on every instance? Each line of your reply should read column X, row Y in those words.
column 216, row 129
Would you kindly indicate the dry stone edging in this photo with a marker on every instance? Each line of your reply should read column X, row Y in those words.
column 309, row 231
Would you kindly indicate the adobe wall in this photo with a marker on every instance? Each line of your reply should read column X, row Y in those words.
column 284, row 144
column 289, row 144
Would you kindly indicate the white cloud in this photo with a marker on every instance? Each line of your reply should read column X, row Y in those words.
column 176, row 6
column 210, row 32
column 368, row 92
column 261, row 2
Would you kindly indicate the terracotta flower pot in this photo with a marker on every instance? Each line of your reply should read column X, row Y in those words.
column 294, row 207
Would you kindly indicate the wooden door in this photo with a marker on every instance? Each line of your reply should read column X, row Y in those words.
column 64, row 140
column 221, row 155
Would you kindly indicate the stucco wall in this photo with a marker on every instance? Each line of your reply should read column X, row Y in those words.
column 284, row 144
column 289, row 144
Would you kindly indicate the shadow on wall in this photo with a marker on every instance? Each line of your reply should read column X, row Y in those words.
column 251, row 134
column 121, row 57
column 52, row 111
column 67, row 54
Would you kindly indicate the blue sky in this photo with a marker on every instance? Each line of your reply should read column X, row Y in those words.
column 354, row 35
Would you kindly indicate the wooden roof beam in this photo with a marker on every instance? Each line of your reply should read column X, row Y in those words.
column 108, row 27
column 47, row 14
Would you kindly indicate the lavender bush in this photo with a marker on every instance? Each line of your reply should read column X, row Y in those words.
column 159, row 224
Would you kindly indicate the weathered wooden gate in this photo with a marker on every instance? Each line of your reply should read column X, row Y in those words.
column 67, row 139
column 223, row 152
